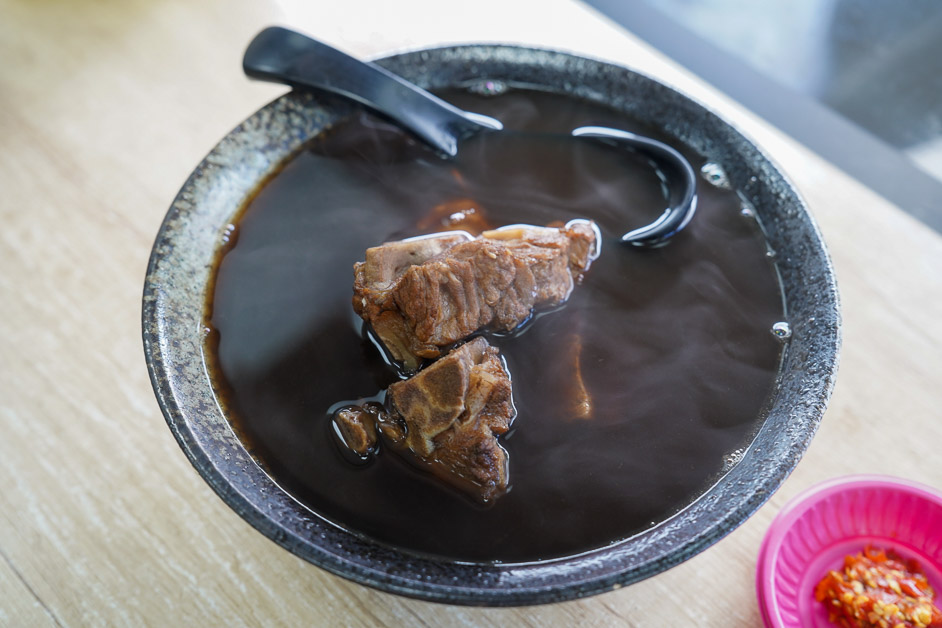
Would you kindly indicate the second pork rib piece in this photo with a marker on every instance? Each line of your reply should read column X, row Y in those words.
column 446, row 419
column 453, row 411
column 424, row 294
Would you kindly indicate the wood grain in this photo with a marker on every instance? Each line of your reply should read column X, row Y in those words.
column 105, row 107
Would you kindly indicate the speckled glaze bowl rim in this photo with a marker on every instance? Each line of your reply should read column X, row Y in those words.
column 192, row 231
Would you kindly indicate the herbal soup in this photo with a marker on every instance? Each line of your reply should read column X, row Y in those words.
column 674, row 356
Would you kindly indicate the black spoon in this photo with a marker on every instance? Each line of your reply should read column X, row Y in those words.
column 280, row 55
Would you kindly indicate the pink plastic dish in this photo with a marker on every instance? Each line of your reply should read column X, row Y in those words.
column 816, row 529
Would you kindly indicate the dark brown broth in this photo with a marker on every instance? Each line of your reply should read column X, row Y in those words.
column 677, row 351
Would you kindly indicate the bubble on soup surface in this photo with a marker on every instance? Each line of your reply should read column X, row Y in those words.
column 715, row 175
column 782, row 330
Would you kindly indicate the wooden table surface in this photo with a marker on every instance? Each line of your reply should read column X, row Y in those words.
column 105, row 107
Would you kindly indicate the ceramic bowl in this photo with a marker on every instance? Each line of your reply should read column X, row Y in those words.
column 180, row 268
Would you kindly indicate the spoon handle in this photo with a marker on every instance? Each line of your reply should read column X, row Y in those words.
column 283, row 56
